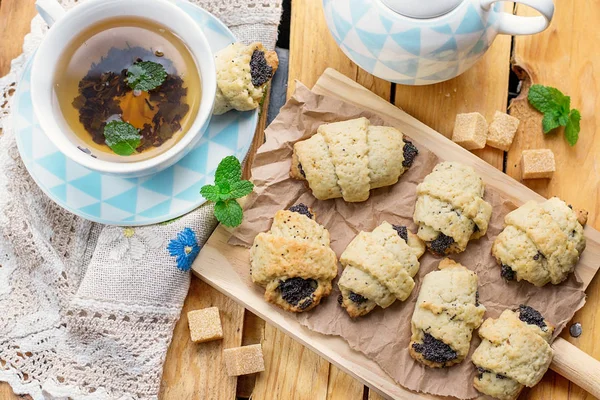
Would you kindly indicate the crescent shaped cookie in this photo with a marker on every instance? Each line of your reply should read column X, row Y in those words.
column 446, row 312
column 347, row 159
column 514, row 352
column 450, row 209
column 541, row 243
column 243, row 72
column 379, row 268
column 293, row 261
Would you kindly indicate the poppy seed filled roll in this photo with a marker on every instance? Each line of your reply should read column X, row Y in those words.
column 293, row 261
column 243, row 72
column 446, row 312
column 379, row 267
column 450, row 209
column 349, row 158
column 541, row 243
column 514, row 352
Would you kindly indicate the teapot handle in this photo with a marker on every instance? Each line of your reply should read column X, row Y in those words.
column 517, row 25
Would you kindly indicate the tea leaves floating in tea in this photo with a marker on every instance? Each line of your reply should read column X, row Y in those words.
column 145, row 75
column 144, row 95
column 121, row 137
column 98, row 101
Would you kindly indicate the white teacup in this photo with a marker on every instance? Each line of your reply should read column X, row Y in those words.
column 67, row 25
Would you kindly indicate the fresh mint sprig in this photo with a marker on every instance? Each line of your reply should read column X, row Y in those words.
column 557, row 111
column 146, row 75
column 122, row 137
column 228, row 187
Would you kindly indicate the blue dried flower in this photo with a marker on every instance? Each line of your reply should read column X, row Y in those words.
column 185, row 248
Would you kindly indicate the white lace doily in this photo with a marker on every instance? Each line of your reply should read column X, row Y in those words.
column 87, row 311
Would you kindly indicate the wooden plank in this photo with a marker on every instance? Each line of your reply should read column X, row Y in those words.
column 197, row 370
column 6, row 393
column 254, row 330
column 259, row 137
column 564, row 56
column 373, row 395
column 342, row 386
column 311, row 46
column 15, row 22
column 218, row 253
column 286, row 374
column 15, row 18
column 483, row 88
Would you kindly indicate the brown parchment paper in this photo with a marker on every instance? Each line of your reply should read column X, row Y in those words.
column 384, row 335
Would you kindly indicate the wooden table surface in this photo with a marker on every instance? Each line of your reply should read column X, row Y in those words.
column 565, row 56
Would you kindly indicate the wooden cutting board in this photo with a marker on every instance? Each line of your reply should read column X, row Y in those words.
column 217, row 260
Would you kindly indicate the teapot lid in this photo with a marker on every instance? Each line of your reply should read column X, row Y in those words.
column 422, row 8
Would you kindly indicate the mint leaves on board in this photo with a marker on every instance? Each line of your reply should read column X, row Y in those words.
column 145, row 75
column 229, row 212
column 122, row 137
column 228, row 187
column 557, row 111
column 572, row 128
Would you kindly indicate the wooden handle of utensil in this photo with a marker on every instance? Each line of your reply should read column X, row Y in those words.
column 577, row 366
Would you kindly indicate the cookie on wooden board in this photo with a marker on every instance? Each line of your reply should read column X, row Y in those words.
column 446, row 312
column 379, row 268
column 514, row 352
column 349, row 158
column 293, row 261
column 541, row 243
column 450, row 209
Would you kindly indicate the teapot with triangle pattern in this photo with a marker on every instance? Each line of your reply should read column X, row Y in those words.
column 421, row 42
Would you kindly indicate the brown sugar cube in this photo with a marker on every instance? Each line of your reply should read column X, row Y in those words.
column 536, row 164
column 205, row 325
column 470, row 131
column 244, row 360
column 502, row 131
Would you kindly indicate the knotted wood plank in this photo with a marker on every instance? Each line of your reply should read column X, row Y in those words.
column 565, row 56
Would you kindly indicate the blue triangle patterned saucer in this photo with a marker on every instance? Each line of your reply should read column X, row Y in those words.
column 134, row 201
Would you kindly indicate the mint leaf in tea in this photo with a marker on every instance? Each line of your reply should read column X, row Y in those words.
column 133, row 71
column 145, row 75
column 121, row 137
